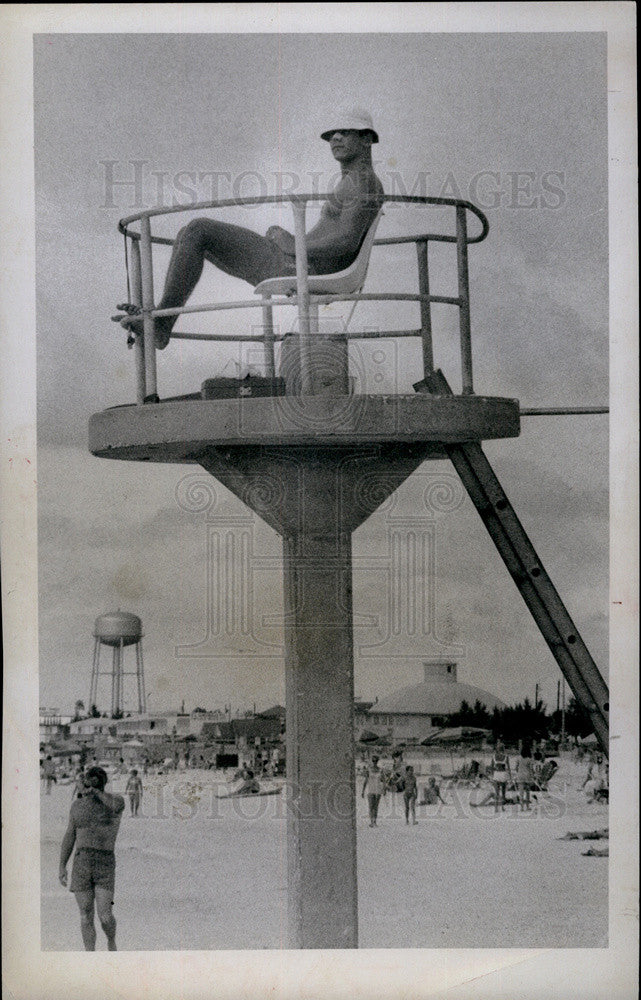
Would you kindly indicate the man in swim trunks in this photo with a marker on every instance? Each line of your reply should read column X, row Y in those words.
column 94, row 819
column 332, row 244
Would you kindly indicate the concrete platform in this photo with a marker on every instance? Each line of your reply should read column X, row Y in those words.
column 183, row 430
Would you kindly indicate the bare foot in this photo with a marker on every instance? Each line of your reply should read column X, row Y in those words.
column 162, row 332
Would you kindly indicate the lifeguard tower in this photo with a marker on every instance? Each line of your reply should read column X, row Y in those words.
column 315, row 461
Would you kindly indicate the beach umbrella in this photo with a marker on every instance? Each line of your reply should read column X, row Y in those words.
column 367, row 736
column 457, row 734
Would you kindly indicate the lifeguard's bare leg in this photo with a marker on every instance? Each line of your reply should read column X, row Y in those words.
column 239, row 252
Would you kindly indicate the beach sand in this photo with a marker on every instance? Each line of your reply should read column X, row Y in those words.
column 198, row 873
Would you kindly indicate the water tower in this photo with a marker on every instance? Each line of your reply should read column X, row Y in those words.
column 118, row 629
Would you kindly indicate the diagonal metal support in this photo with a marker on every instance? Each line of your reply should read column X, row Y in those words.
column 537, row 590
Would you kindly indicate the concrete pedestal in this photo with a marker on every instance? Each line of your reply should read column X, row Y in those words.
column 313, row 468
column 322, row 496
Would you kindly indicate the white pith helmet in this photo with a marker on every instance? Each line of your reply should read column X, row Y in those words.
column 352, row 118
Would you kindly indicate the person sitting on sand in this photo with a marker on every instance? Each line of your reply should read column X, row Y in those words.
column 596, row 789
column 431, row 793
column 250, row 785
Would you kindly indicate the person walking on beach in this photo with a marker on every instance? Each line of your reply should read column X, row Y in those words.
column 332, row 244
column 410, row 791
column 94, row 820
column 49, row 774
column 78, row 783
column 500, row 770
column 525, row 776
column 375, row 783
column 133, row 789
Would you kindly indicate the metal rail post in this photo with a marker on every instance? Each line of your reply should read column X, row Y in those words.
column 139, row 341
column 268, row 337
column 426, row 306
column 303, row 298
column 464, row 299
column 147, row 275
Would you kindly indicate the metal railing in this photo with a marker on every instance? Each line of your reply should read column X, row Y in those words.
column 138, row 246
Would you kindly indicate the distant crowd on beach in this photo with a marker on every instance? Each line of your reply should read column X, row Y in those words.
column 514, row 779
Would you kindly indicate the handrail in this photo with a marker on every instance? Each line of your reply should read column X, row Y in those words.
column 143, row 295
column 277, row 199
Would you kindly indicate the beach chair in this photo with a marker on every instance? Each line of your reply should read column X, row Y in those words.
column 548, row 771
column 346, row 282
column 349, row 281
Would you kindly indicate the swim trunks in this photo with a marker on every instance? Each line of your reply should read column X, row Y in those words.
column 92, row 867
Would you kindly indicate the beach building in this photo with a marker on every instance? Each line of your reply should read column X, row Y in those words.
column 98, row 726
column 53, row 723
column 161, row 723
column 415, row 712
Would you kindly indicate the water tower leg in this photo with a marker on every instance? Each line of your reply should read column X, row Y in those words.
column 120, row 680
column 114, row 678
column 142, row 706
column 93, row 689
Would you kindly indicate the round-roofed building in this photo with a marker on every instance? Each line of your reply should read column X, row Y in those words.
column 414, row 712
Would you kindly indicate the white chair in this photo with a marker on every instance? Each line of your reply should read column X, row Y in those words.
column 347, row 282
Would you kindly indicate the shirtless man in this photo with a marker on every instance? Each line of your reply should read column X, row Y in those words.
column 94, row 820
column 332, row 244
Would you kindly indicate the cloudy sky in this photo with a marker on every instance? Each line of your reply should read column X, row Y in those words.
column 517, row 123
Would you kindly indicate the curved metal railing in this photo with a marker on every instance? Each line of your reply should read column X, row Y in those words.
column 139, row 249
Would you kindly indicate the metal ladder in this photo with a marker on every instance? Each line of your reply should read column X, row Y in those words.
column 518, row 554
